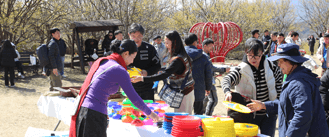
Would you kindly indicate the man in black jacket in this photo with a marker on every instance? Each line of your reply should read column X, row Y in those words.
column 311, row 42
column 62, row 51
column 55, row 65
column 266, row 39
column 146, row 59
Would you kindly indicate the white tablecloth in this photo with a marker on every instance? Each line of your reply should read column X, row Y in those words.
column 57, row 107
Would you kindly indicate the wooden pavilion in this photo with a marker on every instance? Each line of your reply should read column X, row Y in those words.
column 89, row 26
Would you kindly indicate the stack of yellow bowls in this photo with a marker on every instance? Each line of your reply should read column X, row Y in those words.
column 218, row 127
column 245, row 129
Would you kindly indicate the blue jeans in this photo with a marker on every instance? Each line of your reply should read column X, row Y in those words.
column 62, row 72
column 266, row 124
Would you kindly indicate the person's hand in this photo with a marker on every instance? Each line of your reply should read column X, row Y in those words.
column 136, row 79
column 154, row 116
column 265, row 43
column 228, row 96
column 143, row 73
column 322, row 60
column 55, row 72
column 256, row 105
column 207, row 92
column 228, row 70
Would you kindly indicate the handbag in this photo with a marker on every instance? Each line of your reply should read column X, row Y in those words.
column 75, row 105
column 173, row 96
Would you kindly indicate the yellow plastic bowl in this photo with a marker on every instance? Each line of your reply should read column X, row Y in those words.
column 134, row 72
column 217, row 120
column 214, row 127
column 245, row 129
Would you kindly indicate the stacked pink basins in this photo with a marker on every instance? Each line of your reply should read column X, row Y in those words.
column 187, row 126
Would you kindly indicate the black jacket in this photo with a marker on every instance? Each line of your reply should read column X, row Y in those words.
column 311, row 41
column 62, row 47
column 7, row 57
column 54, row 55
column 266, row 39
column 146, row 59
column 106, row 43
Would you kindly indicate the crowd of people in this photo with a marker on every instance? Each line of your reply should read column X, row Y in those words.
column 259, row 81
column 274, row 79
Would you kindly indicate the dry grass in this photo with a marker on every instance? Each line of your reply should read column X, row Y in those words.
column 19, row 105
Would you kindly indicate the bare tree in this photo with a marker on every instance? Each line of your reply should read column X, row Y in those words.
column 316, row 14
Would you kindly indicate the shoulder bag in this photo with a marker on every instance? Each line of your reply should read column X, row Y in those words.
column 173, row 96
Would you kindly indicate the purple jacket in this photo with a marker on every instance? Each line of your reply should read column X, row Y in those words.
column 108, row 83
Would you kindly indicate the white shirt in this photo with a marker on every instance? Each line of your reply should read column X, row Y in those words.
column 18, row 56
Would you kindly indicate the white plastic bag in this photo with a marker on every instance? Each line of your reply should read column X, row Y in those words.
column 94, row 56
column 33, row 60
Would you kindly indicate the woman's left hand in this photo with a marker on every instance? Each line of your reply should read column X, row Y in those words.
column 154, row 116
column 136, row 79
column 256, row 105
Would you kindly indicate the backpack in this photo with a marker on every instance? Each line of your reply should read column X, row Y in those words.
column 42, row 53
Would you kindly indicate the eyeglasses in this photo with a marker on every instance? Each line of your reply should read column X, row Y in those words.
column 110, row 35
column 255, row 57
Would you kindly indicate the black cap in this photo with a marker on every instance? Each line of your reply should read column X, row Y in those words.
column 156, row 37
column 326, row 35
column 253, row 32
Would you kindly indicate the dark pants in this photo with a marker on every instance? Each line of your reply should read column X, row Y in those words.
column 210, row 102
column 19, row 67
column 91, row 123
column 198, row 107
column 266, row 124
column 147, row 94
column 12, row 76
column 312, row 48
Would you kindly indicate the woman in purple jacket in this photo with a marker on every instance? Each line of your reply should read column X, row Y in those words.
column 92, row 117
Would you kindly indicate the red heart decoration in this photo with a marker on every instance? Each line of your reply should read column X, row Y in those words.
column 226, row 36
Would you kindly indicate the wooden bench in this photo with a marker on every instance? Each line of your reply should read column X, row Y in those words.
column 26, row 63
column 86, row 58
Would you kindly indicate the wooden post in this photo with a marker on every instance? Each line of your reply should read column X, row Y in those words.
column 72, row 57
column 81, row 56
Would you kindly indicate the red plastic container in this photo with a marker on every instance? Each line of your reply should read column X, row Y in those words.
column 187, row 126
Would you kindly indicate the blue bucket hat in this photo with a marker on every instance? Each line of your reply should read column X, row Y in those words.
column 290, row 52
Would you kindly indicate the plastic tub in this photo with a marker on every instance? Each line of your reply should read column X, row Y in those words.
column 246, row 129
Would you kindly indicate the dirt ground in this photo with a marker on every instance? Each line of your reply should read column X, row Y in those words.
column 19, row 105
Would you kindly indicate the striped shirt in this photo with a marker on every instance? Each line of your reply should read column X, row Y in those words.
column 262, row 93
